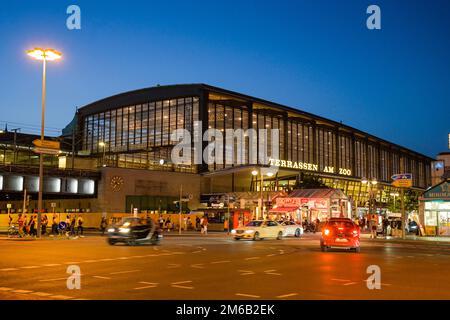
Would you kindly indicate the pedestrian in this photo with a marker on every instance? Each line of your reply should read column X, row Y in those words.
column 373, row 227
column 385, row 226
column 103, row 225
column 20, row 221
column 10, row 220
column 72, row 226
column 44, row 223
column 80, row 225
column 185, row 223
column 197, row 223
column 54, row 225
column 32, row 226
column 168, row 224
column 161, row 222
column 204, row 225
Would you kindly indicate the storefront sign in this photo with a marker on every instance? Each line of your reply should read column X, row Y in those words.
column 308, row 166
column 441, row 191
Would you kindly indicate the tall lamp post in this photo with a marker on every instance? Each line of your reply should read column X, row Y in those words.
column 43, row 55
column 261, row 205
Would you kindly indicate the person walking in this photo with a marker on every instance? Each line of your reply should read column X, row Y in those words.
column 72, row 226
column 32, row 225
column 197, row 223
column 21, row 223
column 103, row 225
column 373, row 226
column 80, row 225
column 204, row 225
column 44, row 223
column 54, row 225
column 168, row 224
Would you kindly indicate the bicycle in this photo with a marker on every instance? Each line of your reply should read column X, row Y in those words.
column 13, row 231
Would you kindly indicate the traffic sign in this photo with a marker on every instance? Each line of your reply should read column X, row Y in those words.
column 47, row 144
column 402, row 180
column 46, row 150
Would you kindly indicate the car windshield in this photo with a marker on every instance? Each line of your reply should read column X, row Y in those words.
column 254, row 224
column 341, row 224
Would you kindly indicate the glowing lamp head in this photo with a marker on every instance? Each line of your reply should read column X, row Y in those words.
column 161, row 162
column 255, row 172
column 326, row 232
column 102, row 144
column 269, row 174
column 44, row 54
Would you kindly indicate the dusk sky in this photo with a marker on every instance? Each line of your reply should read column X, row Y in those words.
column 317, row 56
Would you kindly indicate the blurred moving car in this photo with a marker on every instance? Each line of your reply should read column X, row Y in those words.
column 134, row 230
column 258, row 230
column 340, row 233
column 290, row 228
column 412, row 227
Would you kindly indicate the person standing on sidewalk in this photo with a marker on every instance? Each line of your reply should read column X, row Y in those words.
column 44, row 223
column 103, row 225
column 54, row 225
column 80, row 225
column 204, row 224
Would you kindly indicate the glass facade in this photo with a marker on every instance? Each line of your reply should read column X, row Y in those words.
column 138, row 136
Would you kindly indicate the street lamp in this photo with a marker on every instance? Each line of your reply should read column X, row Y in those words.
column 44, row 55
column 370, row 184
column 394, row 194
column 269, row 174
column 103, row 145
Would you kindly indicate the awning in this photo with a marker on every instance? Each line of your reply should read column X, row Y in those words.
column 283, row 209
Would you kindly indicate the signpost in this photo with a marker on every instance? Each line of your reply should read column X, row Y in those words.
column 46, row 147
column 402, row 181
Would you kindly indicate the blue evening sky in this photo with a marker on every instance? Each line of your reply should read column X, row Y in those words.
column 316, row 56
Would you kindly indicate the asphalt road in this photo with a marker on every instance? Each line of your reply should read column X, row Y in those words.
column 217, row 267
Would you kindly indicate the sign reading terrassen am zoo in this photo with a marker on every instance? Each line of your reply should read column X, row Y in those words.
column 308, row 166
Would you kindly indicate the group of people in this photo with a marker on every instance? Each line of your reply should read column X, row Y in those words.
column 27, row 226
column 201, row 224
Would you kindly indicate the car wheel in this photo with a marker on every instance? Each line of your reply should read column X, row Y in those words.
column 357, row 249
column 256, row 236
column 297, row 233
column 324, row 248
column 237, row 238
column 111, row 242
column 280, row 235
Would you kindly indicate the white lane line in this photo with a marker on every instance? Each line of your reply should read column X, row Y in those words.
column 271, row 255
column 30, row 267
column 9, row 269
column 41, row 294
column 197, row 251
column 252, row 258
column 5, row 289
column 89, row 261
column 123, row 258
column 181, row 287
column 349, row 284
column 106, row 259
column 342, row 280
column 48, row 280
column 146, row 287
column 151, row 283
column 270, row 270
column 100, row 277
column 180, row 282
column 51, row 264
column 274, row 273
column 287, row 295
column 173, row 265
column 224, row 261
column 121, row 272
column 137, row 257
column 247, row 295
column 198, row 265
column 61, row 297
column 22, row 291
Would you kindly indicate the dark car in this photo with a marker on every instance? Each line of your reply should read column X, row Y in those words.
column 340, row 233
column 412, row 227
column 133, row 230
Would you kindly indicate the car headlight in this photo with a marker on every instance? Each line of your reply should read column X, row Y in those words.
column 233, row 231
column 124, row 230
column 111, row 230
column 249, row 231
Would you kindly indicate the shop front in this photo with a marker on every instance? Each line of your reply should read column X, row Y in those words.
column 312, row 204
column 435, row 204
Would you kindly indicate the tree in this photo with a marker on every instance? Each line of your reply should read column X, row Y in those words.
column 306, row 181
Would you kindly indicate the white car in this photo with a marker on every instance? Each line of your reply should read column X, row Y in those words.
column 258, row 230
column 291, row 228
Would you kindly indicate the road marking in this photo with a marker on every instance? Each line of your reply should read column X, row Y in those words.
column 9, row 269
column 121, row 272
column 349, row 284
column 198, row 265
column 61, row 297
column 287, row 295
column 100, row 277
column 252, row 258
column 173, row 265
column 41, row 294
column 106, row 259
column 137, row 256
column 180, row 282
column 224, row 261
column 197, row 251
column 72, row 262
column 270, row 270
column 22, row 291
column 57, row 279
column 151, row 283
column 5, row 289
column 271, row 255
column 30, row 267
column 247, row 295
column 274, row 273
column 342, row 280
column 123, row 258
column 146, row 287
column 89, row 261
column 181, row 287
column 51, row 265
column 245, row 272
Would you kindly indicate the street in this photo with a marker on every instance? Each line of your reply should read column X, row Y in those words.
column 217, row 267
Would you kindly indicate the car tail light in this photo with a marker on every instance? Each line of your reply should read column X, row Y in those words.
column 340, row 229
column 355, row 233
column 326, row 232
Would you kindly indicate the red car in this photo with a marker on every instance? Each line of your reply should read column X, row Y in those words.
column 341, row 233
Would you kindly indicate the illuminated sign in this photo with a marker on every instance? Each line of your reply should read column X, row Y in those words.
column 308, row 166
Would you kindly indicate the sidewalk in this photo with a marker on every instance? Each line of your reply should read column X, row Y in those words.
column 410, row 238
